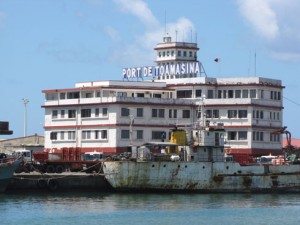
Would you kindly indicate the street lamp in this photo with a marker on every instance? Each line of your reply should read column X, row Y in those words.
column 25, row 101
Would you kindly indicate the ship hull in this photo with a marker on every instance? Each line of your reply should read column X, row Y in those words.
column 201, row 177
column 7, row 170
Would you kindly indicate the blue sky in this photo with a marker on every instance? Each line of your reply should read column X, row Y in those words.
column 47, row 44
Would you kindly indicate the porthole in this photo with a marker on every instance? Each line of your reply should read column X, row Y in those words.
column 203, row 167
column 152, row 165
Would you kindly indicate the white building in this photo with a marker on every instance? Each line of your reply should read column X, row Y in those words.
column 109, row 116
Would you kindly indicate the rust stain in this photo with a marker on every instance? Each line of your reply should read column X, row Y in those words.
column 191, row 185
column 218, row 179
column 247, row 181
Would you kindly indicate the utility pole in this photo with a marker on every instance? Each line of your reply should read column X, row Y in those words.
column 25, row 101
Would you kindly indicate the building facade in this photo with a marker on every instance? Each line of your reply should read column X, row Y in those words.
column 110, row 116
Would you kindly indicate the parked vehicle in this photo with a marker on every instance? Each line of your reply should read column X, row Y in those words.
column 70, row 159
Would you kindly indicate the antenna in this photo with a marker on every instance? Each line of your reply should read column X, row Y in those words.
column 249, row 66
column 176, row 35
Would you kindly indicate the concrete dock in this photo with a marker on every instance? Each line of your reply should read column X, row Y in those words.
column 58, row 182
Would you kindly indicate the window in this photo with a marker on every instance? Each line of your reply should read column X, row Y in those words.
column 175, row 113
column 184, row 94
column 86, row 134
column 73, row 95
column 101, row 134
column 232, row 135
column 124, row 112
column 158, row 113
column 98, row 94
column 219, row 93
column 224, row 94
column 258, row 136
column 140, row 134
column 179, row 53
column 104, row 111
column 230, row 93
column 210, row 93
column 258, row 114
column 62, row 135
column 237, row 93
column 208, row 113
column 53, row 136
column 62, row 95
column 71, row 113
column 271, row 95
column 232, row 113
column 261, row 94
column 62, row 113
column 186, row 113
column 252, row 93
column 139, row 112
column 245, row 94
column 54, row 114
column 86, row 113
column 243, row 113
column 140, row 95
column 97, row 112
column 184, row 53
column 158, row 135
column 198, row 93
column 161, row 113
column 71, row 135
column 124, row 134
column 170, row 113
column 215, row 113
column 279, row 95
column 88, row 95
column 274, row 137
column 242, row 135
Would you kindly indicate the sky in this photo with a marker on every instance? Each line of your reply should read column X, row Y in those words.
column 52, row 44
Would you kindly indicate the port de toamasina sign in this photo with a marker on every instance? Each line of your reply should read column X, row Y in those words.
column 164, row 70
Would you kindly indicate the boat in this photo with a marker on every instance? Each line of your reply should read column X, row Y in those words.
column 7, row 169
column 201, row 167
column 8, row 165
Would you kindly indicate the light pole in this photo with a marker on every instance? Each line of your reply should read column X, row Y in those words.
column 25, row 101
column 130, row 128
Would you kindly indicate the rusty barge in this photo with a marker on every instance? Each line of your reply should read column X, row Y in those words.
column 201, row 168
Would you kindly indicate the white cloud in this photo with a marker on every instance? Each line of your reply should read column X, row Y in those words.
column 139, row 9
column 261, row 16
column 277, row 23
column 140, row 52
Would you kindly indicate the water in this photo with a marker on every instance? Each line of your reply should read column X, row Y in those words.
column 113, row 208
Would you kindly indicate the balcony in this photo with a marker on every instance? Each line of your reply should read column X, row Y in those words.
column 167, row 101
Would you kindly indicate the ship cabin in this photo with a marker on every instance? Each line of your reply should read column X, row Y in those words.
column 209, row 144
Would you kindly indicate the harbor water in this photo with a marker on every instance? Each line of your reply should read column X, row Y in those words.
column 135, row 208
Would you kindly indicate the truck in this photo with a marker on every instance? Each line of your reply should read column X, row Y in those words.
column 68, row 160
